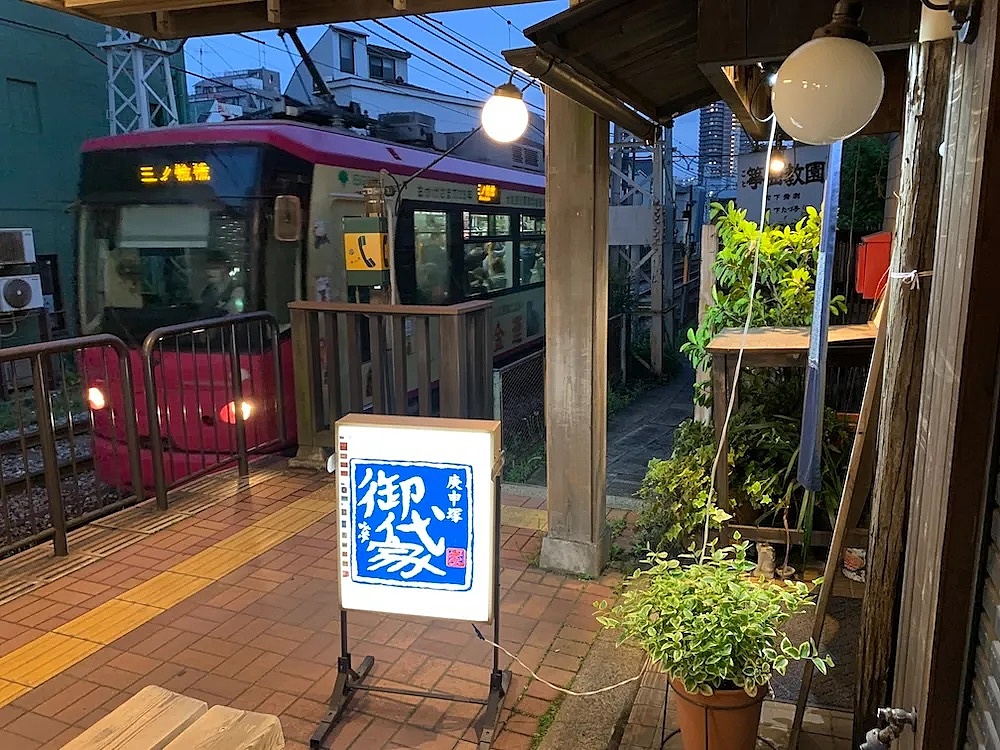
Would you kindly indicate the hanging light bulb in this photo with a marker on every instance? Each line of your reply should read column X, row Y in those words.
column 778, row 162
column 830, row 87
column 505, row 115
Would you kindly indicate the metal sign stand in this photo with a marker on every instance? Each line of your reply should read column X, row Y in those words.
column 350, row 681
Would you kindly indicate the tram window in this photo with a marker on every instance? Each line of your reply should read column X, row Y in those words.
column 532, row 261
column 499, row 225
column 433, row 271
column 477, row 225
column 489, row 267
column 532, row 225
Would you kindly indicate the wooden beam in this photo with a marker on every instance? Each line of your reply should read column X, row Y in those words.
column 749, row 97
column 906, row 324
column 954, row 463
column 748, row 31
column 126, row 7
column 191, row 18
column 274, row 11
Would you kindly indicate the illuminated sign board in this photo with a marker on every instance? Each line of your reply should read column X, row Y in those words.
column 488, row 193
column 179, row 172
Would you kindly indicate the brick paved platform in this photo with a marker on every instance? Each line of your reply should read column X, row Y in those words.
column 231, row 597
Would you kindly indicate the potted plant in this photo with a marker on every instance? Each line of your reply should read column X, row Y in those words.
column 717, row 634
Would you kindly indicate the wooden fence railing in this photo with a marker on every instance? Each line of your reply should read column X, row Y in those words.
column 389, row 359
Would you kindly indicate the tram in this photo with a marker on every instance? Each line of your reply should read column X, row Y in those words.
column 182, row 224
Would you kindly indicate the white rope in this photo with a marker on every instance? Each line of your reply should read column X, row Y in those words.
column 911, row 278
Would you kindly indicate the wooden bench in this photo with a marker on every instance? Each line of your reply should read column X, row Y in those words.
column 157, row 719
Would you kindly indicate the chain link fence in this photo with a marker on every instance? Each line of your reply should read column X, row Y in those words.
column 519, row 404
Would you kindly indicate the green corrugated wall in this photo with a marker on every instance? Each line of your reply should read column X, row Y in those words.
column 53, row 96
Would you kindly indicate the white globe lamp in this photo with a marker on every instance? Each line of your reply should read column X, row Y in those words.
column 829, row 88
column 505, row 115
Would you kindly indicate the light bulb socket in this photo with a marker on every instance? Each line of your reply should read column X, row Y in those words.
column 508, row 90
column 846, row 22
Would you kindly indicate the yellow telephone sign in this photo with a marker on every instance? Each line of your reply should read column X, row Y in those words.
column 366, row 251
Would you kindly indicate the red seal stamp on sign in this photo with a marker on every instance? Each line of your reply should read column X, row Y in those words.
column 454, row 557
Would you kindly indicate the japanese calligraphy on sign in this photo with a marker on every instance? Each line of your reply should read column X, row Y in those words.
column 417, row 515
column 412, row 524
column 790, row 190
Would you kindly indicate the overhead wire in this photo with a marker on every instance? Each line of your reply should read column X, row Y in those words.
column 465, row 45
column 466, row 84
column 86, row 48
column 444, row 59
column 438, row 22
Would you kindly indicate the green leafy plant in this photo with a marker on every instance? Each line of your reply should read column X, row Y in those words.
column 708, row 623
column 674, row 492
column 786, row 277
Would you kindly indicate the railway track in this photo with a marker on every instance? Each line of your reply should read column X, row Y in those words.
column 19, row 481
column 33, row 439
column 36, row 479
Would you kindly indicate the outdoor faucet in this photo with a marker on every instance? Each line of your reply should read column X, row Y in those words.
column 892, row 722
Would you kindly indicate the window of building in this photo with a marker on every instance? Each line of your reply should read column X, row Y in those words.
column 382, row 68
column 22, row 103
column 346, row 54
column 433, row 263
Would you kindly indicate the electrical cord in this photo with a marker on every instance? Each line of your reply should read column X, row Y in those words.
column 743, row 344
column 566, row 691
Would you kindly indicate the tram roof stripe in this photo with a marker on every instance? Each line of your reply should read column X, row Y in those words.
column 327, row 147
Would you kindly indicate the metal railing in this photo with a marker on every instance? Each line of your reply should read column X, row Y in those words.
column 388, row 359
column 519, row 404
column 48, row 482
column 189, row 370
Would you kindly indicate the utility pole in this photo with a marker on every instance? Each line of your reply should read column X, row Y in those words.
column 141, row 91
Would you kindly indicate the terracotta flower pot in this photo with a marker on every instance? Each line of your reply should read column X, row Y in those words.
column 729, row 718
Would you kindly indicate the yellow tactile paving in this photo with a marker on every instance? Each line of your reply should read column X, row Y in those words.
column 166, row 589
column 108, row 622
column 253, row 539
column 292, row 519
column 49, row 654
column 44, row 657
column 52, row 653
column 11, row 690
column 524, row 518
column 215, row 562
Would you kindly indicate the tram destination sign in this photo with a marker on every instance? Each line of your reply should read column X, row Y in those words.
column 416, row 515
column 182, row 173
column 486, row 193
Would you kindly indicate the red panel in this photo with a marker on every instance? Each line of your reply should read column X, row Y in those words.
column 874, row 252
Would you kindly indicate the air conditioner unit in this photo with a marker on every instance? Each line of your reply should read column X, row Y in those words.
column 17, row 247
column 20, row 293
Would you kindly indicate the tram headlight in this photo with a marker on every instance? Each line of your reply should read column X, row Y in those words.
column 95, row 398
column 228, row 412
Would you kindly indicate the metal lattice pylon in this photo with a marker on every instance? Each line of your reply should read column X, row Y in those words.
column 649, row 268
column 140, row 82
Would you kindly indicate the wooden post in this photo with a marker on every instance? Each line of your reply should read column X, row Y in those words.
column 906, row 328
column 308, row 389
column 709, row 249
column 576, row 332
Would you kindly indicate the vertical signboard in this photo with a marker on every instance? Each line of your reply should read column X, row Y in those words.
column 811, row 441
column 417, row 515
column 799, row 183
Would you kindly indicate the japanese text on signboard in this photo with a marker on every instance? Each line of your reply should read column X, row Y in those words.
column 411, row 524
column 797, row 185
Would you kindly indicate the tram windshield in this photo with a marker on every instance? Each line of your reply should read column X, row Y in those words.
column 170, row 235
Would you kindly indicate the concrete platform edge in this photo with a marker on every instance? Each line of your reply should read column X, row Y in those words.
column 598, row 721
